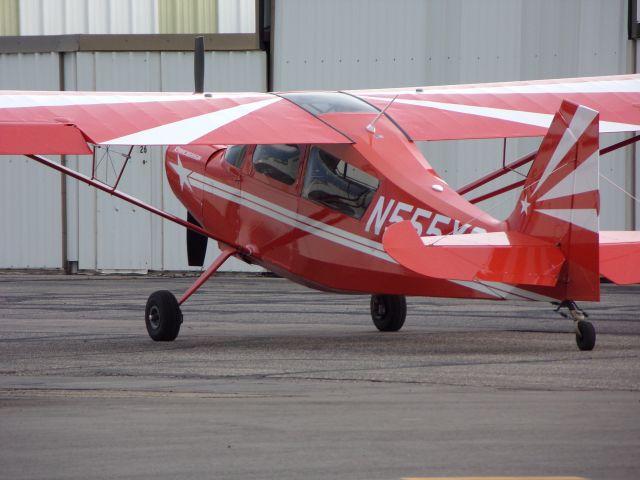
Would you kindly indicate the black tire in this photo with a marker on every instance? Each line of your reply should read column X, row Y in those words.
column 586, row 336
column 388, row 312
column 162, row 316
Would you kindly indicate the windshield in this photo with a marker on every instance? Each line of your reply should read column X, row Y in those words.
column 318, row 103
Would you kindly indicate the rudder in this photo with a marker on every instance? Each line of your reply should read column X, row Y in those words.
column 560, row 201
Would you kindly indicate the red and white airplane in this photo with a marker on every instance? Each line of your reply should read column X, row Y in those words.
column 329, row 189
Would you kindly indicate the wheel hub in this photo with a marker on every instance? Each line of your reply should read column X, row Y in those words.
column 379, row 308
column 154, row 317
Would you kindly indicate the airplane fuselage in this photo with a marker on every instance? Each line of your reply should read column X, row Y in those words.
column 316, row 213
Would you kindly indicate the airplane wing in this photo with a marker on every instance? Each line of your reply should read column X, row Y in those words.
column 620, row 256
column 505, row 257
column 505, row 110
column 62, row 122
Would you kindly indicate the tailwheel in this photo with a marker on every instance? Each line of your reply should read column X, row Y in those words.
column 388, row 312
column 163, row 316
column 585, row 335
column 585, row 331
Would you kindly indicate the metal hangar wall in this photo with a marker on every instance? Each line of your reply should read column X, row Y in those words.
column 60, row 17
column 333, row 44
column 353, row 44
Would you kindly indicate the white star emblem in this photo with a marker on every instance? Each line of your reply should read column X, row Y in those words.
column 183, row 173
column 524, row 206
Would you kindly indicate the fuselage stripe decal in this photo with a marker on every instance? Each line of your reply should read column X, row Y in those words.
column 287, row 217
column 337, row 235
column 294, row 216
column 513, row 291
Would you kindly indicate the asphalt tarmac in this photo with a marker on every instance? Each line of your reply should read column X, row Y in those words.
column 270, row 380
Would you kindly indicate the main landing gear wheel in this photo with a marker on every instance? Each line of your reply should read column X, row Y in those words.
column 163, row 316
column 388, row 312
column 585, row 335
column 585, row 332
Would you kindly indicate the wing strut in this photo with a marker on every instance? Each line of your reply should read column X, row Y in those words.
column 519, row 163
column 123, row 196
column 224, row 255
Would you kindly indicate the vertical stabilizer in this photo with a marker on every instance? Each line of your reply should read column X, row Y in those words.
column 560, row 201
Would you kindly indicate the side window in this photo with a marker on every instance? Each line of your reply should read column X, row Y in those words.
column 280, row 162
column 235, row 154
column 338, row 185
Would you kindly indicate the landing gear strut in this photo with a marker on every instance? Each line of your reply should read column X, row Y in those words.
column 163, row 316
column 585, row 332
column 388, row 312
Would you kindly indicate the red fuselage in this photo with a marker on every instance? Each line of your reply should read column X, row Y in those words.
column 304, row 222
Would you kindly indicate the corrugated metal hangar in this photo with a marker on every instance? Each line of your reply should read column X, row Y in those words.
column 48, row 222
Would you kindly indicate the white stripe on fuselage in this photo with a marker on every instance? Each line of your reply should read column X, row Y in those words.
column 336, row 235
column 290, row 218
column 503, row 291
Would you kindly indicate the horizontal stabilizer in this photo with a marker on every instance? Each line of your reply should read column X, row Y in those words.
column 42, row 138
column 506, row 257
column 620, row 256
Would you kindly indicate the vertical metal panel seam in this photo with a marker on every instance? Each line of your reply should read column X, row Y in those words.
column 269, row 50
column 63, row 181
column 156, row 16
column 635, row 170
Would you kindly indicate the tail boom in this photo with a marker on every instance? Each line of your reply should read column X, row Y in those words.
column 551, row 246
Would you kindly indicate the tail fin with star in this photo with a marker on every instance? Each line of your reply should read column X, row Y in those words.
column 560, row 201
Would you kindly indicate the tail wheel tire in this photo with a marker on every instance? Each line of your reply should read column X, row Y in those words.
column 163, row 316
column 388, row 312
column 585, row 335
